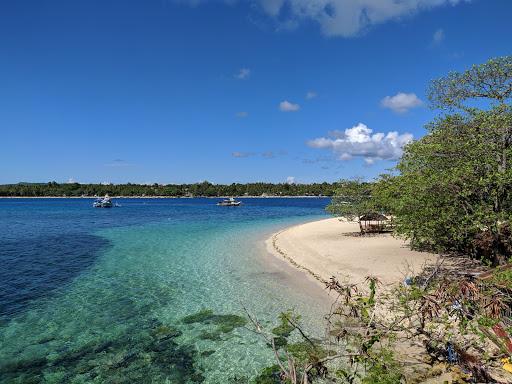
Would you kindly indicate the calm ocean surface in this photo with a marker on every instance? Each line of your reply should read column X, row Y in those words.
column 100, row 295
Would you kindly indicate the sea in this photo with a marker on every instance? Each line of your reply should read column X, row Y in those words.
column 152, row 291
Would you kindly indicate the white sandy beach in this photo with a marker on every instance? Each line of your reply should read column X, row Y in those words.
column 331, row 247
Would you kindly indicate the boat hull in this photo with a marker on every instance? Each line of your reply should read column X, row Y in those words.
column 229, row 204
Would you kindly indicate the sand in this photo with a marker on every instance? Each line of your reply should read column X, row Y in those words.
column 332, row 247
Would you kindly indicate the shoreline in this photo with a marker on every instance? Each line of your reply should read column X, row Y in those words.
column 166, row 197
column 329, row 247
column 277, row 253
column 290, row 275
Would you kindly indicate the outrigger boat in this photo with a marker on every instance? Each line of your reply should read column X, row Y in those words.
column 231, row 202
column 105, row 202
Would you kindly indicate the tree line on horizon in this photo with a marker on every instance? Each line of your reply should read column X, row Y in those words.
column 204, row 189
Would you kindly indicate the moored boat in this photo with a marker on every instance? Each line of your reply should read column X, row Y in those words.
column 231, row 202
column 105, row 202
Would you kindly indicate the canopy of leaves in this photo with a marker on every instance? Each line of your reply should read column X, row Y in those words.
column 352, row 199
column 491, row 81
column 453, row 190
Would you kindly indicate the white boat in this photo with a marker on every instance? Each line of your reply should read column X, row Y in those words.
column 231, row 202
column 105, row 202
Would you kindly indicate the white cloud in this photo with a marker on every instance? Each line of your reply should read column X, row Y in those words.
column 344, row 18
column 243, row 74
column 438, row 37
column 71, row 181
column 242, row 114
column 401, row 102
column 286, row 106
column 290, row 180
column 347, row 17
column 272, row 7
column 311, row 95
column 360, row 141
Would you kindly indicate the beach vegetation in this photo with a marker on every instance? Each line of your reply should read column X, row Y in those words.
column 451, row 190
column 455, row 327
column 503, row 278
column 384, row 370
column 354, row 351
column 286, row 327
column 269, row 375
column 490, row 82
column 353, row 201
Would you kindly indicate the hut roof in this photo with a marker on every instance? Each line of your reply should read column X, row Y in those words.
column 373, row 217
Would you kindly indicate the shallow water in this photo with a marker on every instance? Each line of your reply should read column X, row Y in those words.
column 99, row 295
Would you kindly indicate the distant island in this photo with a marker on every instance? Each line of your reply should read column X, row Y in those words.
column 204, row 189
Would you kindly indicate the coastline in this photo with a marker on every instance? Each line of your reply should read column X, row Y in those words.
column 290, row 275
column 327, row 248
column 166, row 197
column 332, row 248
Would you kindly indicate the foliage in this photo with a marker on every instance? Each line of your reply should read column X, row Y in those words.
column 353, row 199
column 437, row 308
column 490, row 81
column 503, row 278
column 384, row 370
column 286, row 327
column 347, row 356
column 454, row 318
column 452, row 191
column 171, row 190
column 269, row 375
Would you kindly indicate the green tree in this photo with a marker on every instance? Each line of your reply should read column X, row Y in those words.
column 352, row 199
column 452, row 192
column 490, row 81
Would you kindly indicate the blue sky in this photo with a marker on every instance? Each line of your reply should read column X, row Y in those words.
column 227, row 91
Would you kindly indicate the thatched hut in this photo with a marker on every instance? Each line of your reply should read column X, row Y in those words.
column 374, row 223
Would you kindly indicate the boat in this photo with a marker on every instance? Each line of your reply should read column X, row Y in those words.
column 103, row 202
column 231, row 202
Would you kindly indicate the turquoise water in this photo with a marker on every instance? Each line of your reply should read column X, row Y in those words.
column 93, row 295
